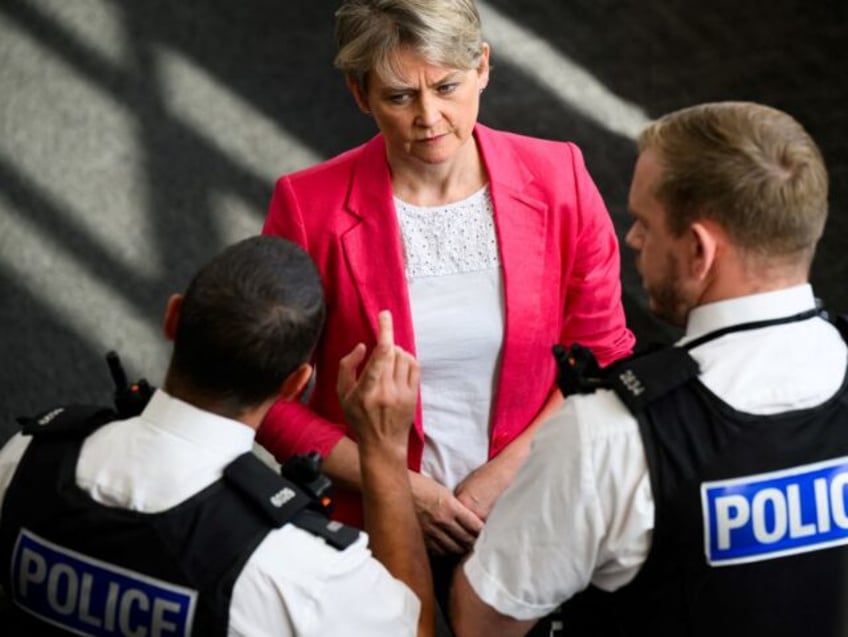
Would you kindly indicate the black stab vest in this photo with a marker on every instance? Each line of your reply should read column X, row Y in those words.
column 751, row 514
column 776, row 585
column 70, row 563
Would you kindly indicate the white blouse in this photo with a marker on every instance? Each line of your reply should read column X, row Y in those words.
column 456, row 296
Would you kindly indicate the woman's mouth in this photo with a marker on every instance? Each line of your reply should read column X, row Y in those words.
column 432, row 139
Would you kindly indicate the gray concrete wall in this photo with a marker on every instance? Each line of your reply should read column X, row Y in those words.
column 138, row 138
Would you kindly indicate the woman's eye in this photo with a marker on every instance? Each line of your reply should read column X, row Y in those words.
column 448, row 88
column 399, row 98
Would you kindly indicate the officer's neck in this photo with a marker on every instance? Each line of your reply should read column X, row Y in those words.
column 738, row 274
column 221, row 406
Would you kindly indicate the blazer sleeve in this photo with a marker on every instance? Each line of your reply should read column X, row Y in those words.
column 593, row 313
column 291, row 427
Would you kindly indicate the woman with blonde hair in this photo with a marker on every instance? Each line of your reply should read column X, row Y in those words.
column 488, row 248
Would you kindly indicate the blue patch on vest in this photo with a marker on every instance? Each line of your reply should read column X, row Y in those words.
column 90, row 597
column 761, row 517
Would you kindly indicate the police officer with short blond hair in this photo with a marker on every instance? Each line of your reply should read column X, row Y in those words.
column 700, row 489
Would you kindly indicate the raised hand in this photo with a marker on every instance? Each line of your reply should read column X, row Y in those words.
column 379, row 403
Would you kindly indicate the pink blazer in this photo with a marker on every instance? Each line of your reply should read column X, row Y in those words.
column 560, row 264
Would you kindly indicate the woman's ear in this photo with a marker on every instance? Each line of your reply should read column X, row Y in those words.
column 172, row 316
column 358, row 93
column 484, row 67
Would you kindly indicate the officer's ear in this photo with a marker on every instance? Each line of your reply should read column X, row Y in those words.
column 295, row 383
column 172, row 316
column 707, row 241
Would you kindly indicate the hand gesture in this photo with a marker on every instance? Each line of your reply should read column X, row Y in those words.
column 379, row 403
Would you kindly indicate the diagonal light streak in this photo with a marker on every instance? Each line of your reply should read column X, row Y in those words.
column 226, row 121
column 565, row 79
column 64, row 284
column 95, row 24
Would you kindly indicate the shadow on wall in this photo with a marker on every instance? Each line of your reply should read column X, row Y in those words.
column 667, row 55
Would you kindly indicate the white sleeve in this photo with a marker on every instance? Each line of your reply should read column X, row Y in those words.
column 295, row 584
column 575, row 514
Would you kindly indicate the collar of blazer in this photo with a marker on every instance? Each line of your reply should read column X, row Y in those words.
column 374, row 250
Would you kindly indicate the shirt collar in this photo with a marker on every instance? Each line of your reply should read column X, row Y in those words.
column 745, row 309
column 203, row 428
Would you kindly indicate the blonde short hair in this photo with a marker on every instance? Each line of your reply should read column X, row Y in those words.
column 751, row 168
column 445, row 32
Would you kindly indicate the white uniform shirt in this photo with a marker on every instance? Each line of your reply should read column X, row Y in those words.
column 581, row 510
column 294, row 583
column 455, row 293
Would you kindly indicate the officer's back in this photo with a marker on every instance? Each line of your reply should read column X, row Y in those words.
column 166, row 523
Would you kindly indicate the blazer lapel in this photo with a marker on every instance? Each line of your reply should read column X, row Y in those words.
column 373, row 250
column 521, row 226
column 373, row 247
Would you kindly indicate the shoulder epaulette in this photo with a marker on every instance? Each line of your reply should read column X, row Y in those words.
column 638, row 380
column 281, row 501
column 68, row 420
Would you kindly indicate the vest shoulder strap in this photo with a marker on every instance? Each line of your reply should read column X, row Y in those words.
column 281, row 501
column 334, row 533
column 639, row 380
column 67, row 421
column 277, row 499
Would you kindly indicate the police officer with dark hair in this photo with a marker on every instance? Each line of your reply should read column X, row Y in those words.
column 167, row 524
column 698, row 489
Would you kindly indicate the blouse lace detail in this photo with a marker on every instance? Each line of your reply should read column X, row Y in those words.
column 450, row 239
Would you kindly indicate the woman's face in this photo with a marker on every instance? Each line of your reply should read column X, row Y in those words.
column 425, row 112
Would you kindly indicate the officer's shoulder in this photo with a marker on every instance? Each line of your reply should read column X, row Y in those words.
column 295, row 542
column 589, row 419
column 281, row 502
column 292, row 554
column 647, row 376
column 638, row 379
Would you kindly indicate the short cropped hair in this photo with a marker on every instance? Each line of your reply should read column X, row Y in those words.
column 249, row 318
column 751, row 168
column 445, row 32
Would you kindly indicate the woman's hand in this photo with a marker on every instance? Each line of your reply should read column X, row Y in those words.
column 485, row 484
column 448, row 525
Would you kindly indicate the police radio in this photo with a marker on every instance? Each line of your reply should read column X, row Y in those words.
column 578, row 372
column 130, row 400
column 305, row 471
